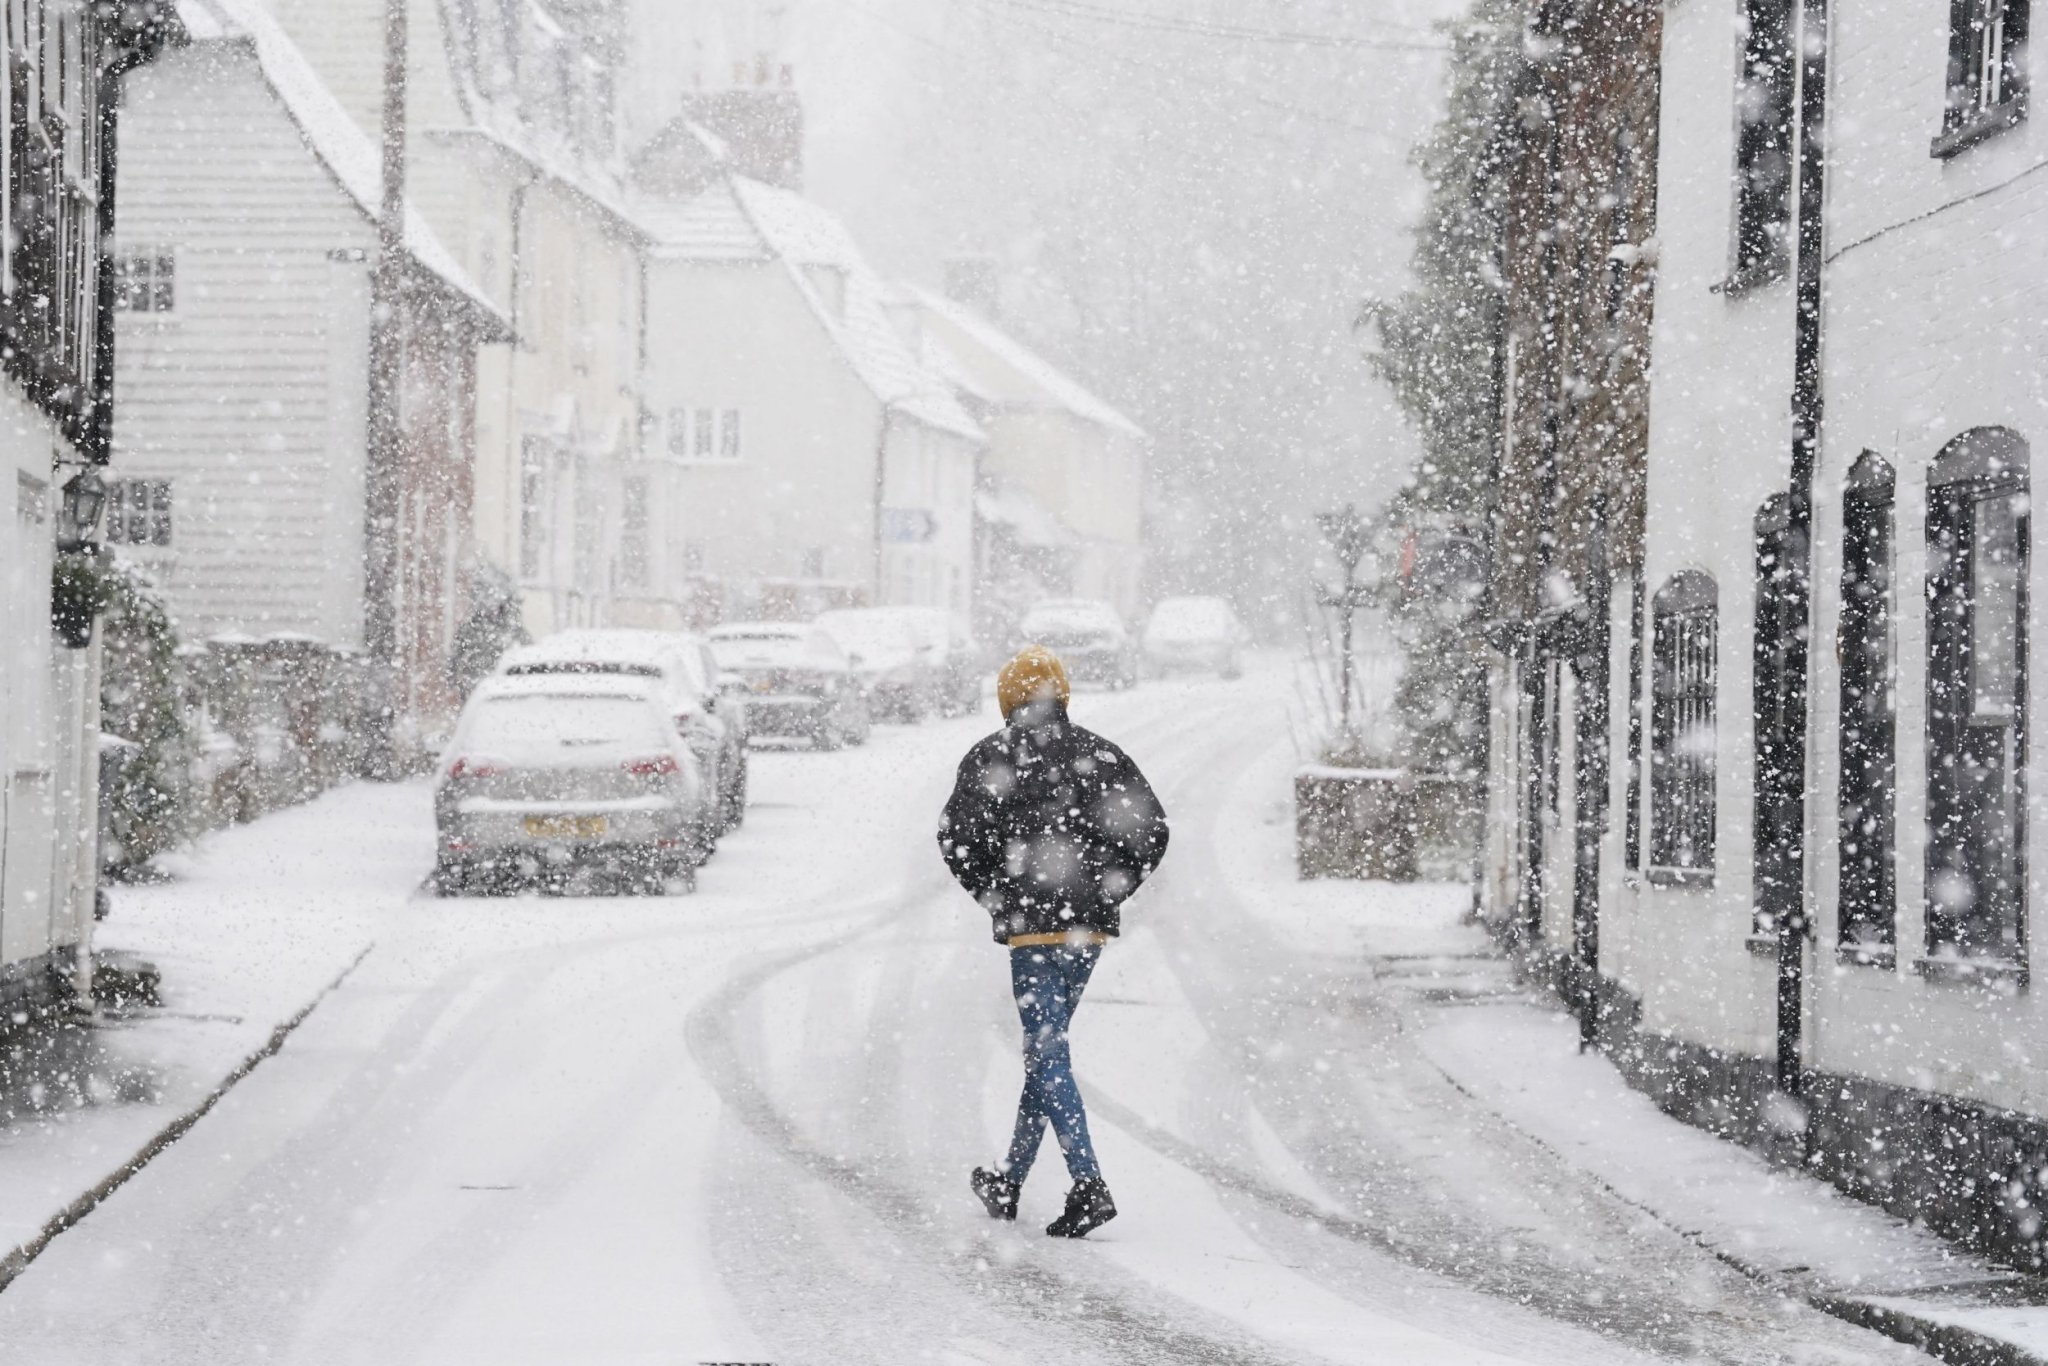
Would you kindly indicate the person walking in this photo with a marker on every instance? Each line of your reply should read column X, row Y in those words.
column 1050, row 828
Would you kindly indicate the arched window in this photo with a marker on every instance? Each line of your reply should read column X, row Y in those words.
column 1977, row 530
column 1682, row 738
column 1866, row 803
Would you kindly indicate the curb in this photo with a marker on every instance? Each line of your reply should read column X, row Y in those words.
column 17, row 1261
column 1947, row 1342
column 1951, row 1343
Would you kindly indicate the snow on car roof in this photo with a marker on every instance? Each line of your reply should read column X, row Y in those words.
column 651, row 648
column 562, row 685
column 761, row 630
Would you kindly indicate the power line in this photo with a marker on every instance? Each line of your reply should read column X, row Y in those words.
column 1154, row 22
column 1077, row 49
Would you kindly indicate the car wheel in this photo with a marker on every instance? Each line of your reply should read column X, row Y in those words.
column 827, row 737
column 1233, row 668
column 451, row 878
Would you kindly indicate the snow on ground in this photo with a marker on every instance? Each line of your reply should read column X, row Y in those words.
column 737, row 1126
column 259, row 920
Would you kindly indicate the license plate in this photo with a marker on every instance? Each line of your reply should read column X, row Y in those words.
column 764, row 685
column 565, row 827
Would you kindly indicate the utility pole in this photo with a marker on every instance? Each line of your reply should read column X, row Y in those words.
column 1346, row 532
column 385, row 454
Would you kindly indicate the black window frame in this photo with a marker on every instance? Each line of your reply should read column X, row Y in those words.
column 139, row 512
column 1971, row 113
column 1973, row 471
column 145, row 282
column 1766, row 93
column 1684, row 685
column 1866, row 640
column 636, row 556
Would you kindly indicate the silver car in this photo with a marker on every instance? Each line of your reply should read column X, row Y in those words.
column 549, row 777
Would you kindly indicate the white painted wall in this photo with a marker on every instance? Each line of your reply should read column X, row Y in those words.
column 1937, row 322
column 1937, row 315
column 31, row 749
column 741, row 335
column 1720, row 444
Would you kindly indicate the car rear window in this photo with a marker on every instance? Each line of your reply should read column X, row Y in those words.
column 615, row 667
column 563, row 728
column 777, row 650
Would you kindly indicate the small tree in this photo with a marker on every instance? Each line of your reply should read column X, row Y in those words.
column 1440, row 349
column 493, row 625
column 140, row 702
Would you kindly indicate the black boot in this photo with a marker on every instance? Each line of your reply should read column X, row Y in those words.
column 1088, row 1208
column 998, row 1193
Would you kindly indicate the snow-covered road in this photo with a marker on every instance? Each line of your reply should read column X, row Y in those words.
column 736, row 1127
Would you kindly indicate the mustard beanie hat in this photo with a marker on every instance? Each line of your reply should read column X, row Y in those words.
column 1033, row 676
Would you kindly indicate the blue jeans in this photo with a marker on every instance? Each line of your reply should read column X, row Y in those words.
column 1049, row 982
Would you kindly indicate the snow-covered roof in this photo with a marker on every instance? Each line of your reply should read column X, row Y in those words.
column 349, row 155
column 1030, row 521
column 711, row 227
column 1032, row 379
column 735, row 219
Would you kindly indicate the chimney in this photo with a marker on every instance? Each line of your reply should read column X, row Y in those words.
column 974, row 282
column 761, row 124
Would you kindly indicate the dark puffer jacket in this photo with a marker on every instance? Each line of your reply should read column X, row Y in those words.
column 1050, row 826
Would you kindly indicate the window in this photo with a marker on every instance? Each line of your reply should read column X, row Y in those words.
column 1987, row 73
column 138, row 512
column 704, row 433
column 50, row 151
column 633, row 547
column 1866, row 806
column 1977, row 534
column 145, row 282
column 1682, row 736
column 1763, row 143
column 532, row 499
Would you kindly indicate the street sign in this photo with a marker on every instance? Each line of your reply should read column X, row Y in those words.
column 908, row 526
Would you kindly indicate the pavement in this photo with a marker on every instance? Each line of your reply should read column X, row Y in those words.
column 735, row 1126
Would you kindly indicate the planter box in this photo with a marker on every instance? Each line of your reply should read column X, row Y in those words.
column 1382, row 824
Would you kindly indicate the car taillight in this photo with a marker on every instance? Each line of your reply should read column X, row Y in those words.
column 659, row 765
column 472, row 768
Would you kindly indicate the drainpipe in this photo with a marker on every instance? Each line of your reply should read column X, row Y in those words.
column 1808, row 412
column 881, row 476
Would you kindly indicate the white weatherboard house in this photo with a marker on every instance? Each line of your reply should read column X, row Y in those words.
column 1063, row 480
column 821, row 462
column 245, row 258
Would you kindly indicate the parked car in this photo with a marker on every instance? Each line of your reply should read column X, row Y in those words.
column 1186, row 634
column 888, row 656
column 1087, row 635
column 953, row 665
column 549, row 775
column 689, row 687
column 796, row 680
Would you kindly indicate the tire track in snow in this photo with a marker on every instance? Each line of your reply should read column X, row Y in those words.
column 1653, row 1291
column 1024, row 1283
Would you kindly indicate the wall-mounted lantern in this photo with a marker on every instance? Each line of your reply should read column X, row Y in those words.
column 78, row 513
